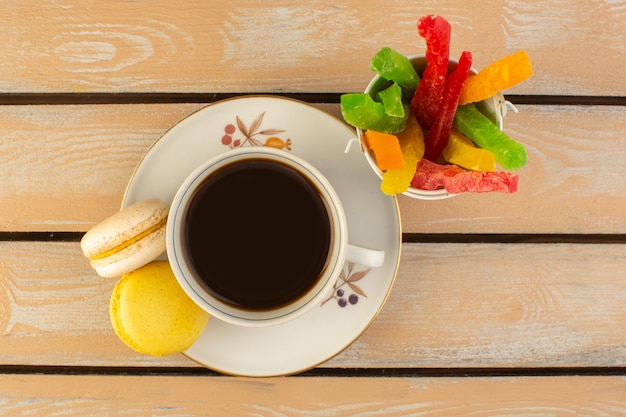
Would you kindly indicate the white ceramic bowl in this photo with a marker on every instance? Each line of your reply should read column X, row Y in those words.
column 494, row 108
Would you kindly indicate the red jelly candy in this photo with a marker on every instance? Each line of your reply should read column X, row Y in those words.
column 430, row 176
column 439, row 134
column 429, row 93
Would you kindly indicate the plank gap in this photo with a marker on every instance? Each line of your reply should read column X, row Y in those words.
column 465, row 372
column 546, row 99
column 320, row 372
column 160, row 98
column 148, row 98
column 41, row 236
column 582, row 238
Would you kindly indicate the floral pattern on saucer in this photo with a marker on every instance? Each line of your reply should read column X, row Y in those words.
column 346, row 292
column 248, row 136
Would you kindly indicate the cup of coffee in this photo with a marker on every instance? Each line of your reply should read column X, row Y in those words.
column 257, row 236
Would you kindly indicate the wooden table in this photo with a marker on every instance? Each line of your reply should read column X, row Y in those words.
column 502, row 305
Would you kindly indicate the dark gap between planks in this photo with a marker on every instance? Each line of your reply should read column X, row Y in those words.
column 406, row 237
column 157, row 98
column 512, row 238
column 321, row 372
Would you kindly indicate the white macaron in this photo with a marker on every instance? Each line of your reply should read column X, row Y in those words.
column 127, row 240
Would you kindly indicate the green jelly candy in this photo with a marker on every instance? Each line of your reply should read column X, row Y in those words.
column 476, row 126
column 360, row 110
column 390, row 124
column 394, row 66
column 391, row 98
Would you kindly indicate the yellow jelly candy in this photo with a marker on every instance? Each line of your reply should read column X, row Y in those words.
column 411, row 139
column 386, row 149
column 461, row 151
column 497, row 76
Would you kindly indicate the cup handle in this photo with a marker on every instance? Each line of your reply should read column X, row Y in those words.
column 366, row 257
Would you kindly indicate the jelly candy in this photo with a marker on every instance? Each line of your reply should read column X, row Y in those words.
column 499, row 75
column 430, row 176
column 402, row 109
column 437, row 138
column 397, row 181
column 391, row 99
column 425, row 103
column 462, row 152
column 386, row 149
column 386, row 113
column 360, row 110
column 476, row 126
column 394, row 66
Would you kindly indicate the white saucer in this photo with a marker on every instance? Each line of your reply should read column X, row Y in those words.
column 373, row 221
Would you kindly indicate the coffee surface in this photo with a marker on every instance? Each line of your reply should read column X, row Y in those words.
column 258, row 234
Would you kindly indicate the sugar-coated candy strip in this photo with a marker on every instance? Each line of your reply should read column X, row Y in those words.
column 360, row 110
column 437, row 138
column 429, row 93
column 497, row 76
column 462, row 152
column 394, row 66
column 476, row 126
column 391, row 99
column 397, row 181
column 386, row 149
column 456, row 180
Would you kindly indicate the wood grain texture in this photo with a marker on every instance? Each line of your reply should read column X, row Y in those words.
column 545, row 306
column 518, row 307
column 64, row 166
column 249, row 46
column 40, row 395
column 571, row 184
column 501, row 305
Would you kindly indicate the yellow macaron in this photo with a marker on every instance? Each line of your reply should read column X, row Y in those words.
column 128, row 239
column 151, row 313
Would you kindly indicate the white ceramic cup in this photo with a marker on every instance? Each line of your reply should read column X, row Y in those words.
column 338, row 253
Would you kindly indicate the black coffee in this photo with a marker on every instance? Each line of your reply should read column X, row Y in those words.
column 258, row 234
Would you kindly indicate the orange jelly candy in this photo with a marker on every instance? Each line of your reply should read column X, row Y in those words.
column 386, row 149
column 397, row 181
column 497, row 76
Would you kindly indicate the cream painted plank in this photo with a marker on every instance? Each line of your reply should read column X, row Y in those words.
column 570, row 183
column 545, row 306
column 501, row 305
column 41, row 395
column 250, row 46
column 66, row 167
column 54, row 309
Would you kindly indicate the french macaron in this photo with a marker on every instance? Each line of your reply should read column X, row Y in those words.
column 128, row 239
column 151, row 313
